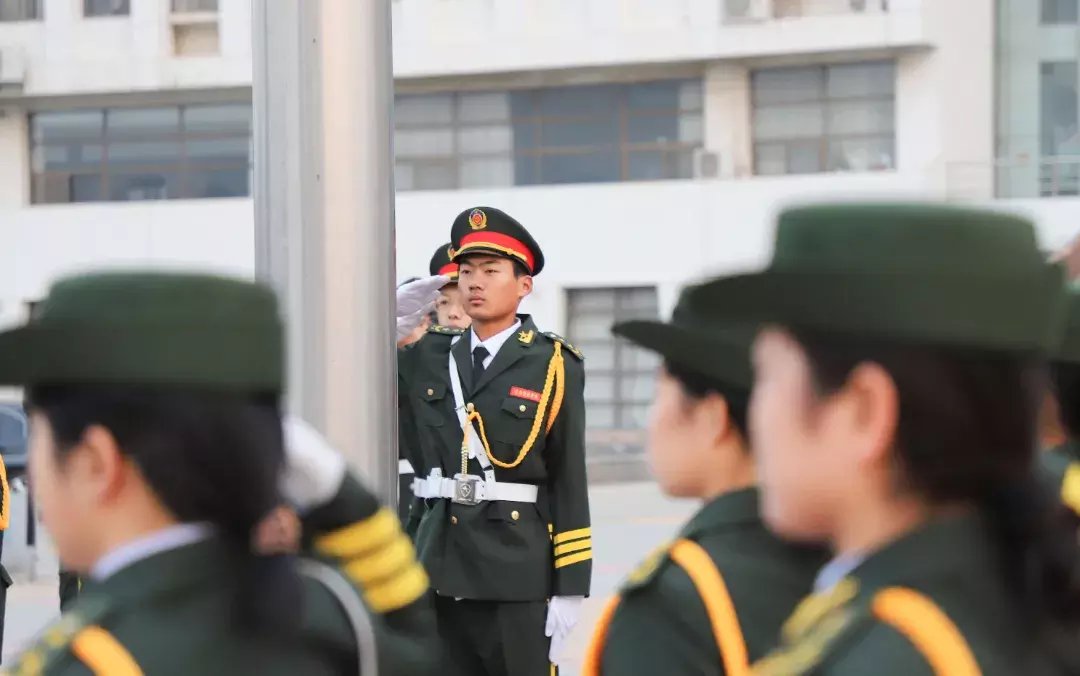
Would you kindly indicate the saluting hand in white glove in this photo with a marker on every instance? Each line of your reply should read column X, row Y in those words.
column 415, row 300
column 314, row 470
column 562, row 616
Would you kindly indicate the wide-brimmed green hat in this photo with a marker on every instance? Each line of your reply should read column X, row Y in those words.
column 162, row 329
column 1068, row 350
column 918, row 273
column 696, row 339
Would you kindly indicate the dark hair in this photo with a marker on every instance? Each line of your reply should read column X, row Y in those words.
column 967, row 434
column 1065, row 380
column 698, row 386
column 208, row 456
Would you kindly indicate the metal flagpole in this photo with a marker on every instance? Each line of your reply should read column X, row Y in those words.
column 324, row 215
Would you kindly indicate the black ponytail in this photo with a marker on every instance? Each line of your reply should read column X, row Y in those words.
column 209, row 457
column 967, row 433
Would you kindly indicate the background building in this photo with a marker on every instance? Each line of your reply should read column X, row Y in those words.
column 645, row 142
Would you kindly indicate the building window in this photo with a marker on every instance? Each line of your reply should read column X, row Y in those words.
column 1059, row 124
column 106, row 7
column 581, row 134
column 824, row 118
column 194, row 6
column 125, row 154
column 619, row 377
column 20, row 10
column 1060, row 11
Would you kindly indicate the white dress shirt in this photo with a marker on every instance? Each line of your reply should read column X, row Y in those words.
column 163, row 540
column 494, row 343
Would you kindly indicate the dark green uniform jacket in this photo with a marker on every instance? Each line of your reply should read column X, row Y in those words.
column 954, row 563
column 1061, row 468
column 174, row 612
column 503, row 551
column 661, row 625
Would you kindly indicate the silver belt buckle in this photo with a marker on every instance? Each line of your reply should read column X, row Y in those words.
column 466, row 489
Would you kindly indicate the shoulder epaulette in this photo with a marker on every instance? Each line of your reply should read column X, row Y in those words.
column 55, row 641
column 649, row 567
column 445, row 330
column 566, row 344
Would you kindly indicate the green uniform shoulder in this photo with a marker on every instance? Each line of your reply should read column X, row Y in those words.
column 649, row 569
column 445, row 330
column 565, row 343
column 51, row 654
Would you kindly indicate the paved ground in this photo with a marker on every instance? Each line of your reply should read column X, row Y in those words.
column 628, row 521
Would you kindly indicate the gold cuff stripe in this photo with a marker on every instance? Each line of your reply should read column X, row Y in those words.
column 389, row 561
column 1070, row 487
column 571, row 547
column 356, row 539
column 399, row 591
column 573, row 558
column 928, row 628
column 102, row 653
column 566, row 536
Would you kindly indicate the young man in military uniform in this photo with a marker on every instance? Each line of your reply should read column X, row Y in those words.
column 499, row 416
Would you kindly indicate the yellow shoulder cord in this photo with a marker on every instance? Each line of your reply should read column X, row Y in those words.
column 928, row 628
column 1070, row 487
column 556, row 374
column 5, row 495
column 697, row 563
column 102, row 654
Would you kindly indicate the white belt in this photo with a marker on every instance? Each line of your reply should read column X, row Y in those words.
column 468, row 489
column 405, row 467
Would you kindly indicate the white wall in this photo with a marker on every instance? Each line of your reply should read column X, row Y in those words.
column 14, row 159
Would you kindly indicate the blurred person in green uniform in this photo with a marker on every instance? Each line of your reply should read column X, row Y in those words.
column 715, row 597
column 1061, row 461
column 499, row 417
column 157, row 448
column 897, row 377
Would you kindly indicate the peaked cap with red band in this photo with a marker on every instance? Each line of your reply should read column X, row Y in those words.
column 486, row 230
column 442, row 263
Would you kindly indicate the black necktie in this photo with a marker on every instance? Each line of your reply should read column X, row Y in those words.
column 479, row 354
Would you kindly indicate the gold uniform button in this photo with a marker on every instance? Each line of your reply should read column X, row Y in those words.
column 453, row 520
column 430, row 392
column 515, row 515
column 522, row 408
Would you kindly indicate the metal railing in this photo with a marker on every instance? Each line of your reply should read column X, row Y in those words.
column 194, row 6
column 20, row 10
column 1055, row 176
column 748, row 11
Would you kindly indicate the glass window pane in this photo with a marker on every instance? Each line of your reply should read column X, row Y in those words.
column 67, row 156
column 487, row 172
column 526, row 135
column 649, row 165
column 143, row 186
column 218, row 183
column 142, row 121
column 861, row 154
column 599, row 355
column 652, row 129
column 770, row 159
column 635, row 417
column 434, row 175
column 788, row 85
column 144, row 152
column 860, row 117
column 637, row 388
column 424, row 142
column 233, row 149
column 526, row 170
column 427, row 109
column 784, row 122
column 855, row 80
column 635, row 359
column 803, row 158
column 523, row 103
column 601, row 416
column 588, row 326
column 483, row 140
column 691, row 128
column 659, row 95
column 231, row 117
column 484, row 107
column 106, row 7
column 75, row 123
column 592, row 100
column 85, row 188
column 1058, row 116
column 691, row 95
column 579, row 134
column 593, row 300
column 578, row 168
column 1059, row 11
column 599, row 388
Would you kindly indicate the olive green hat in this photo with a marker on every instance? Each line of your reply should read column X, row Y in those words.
column 698, row 339
column 150, row 329
column 919, row 273
column 1069, row 347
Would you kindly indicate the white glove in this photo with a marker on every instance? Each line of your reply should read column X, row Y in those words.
column 562, row 616
column 314, row 470
column 407, row 324
column 419, row 296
